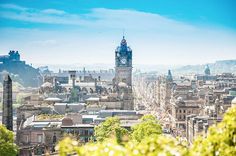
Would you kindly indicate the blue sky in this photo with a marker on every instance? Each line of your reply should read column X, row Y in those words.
column 88, row 31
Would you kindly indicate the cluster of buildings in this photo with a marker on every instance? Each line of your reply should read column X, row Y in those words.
column 192, row 103
column 72, row 105
column 74, row 102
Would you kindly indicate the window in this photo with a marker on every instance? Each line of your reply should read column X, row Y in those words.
column 81, row 132
column 180, row 111
column 40, row 138
column 85, row 132
column 26, row 138
column 184, row 111
column 54, row 139
column 90, row 132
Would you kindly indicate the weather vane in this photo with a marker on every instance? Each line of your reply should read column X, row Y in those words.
column 123, row 33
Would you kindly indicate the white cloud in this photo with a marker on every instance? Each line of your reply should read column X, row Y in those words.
column 154, row 39
column 13, row 7
column 53, row 11
column 97, row 17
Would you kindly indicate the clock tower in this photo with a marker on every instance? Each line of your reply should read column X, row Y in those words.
column 123, row 74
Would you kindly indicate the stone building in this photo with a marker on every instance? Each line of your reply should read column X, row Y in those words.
column 180, row 109
column 198, row 125
column 164, row 85
column 39, row 136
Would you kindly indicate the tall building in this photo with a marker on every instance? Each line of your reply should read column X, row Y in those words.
column 123, row 58
column 7, row 117
column 123, row 74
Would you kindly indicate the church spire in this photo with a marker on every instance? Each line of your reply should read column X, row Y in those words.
column 169, row 76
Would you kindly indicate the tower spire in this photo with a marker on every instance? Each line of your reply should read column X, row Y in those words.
column 123, row 33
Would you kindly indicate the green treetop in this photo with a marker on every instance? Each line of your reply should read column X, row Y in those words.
column 110, row 128
column 7, row 146
column 149, row 126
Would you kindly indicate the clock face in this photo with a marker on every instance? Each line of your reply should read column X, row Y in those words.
column 123, row 61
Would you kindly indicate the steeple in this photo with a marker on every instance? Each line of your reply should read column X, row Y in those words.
column 123, row 42
column 169, row 76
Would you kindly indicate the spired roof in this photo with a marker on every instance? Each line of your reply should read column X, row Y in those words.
column 7, row 78
column 123, row 46
column 169, row 76
column 123, row 42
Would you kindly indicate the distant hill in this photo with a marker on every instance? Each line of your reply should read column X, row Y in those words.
column 223, row 66
column 216, row 68
column 20, row 72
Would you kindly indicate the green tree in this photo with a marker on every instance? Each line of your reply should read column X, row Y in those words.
column 7, row 146
column 221, row 138
column 111, row 128
column 67, row 146
column 151, row 146
column 149, row 126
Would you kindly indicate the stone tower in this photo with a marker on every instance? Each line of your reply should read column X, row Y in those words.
column 7, row 117
column 72, row 77
column 123, row 58
column 123, row 74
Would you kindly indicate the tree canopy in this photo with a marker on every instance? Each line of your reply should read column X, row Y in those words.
column 221, row 138
column 7, row 145
column 111, row 128
column 149, row 126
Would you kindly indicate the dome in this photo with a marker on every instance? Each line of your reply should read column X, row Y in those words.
column 67, row 121
column 180, row 98
column 233, row 102
column 207, row 70
column 47, row 84
column 122, row 84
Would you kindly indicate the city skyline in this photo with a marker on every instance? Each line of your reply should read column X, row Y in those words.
column 158, row 32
